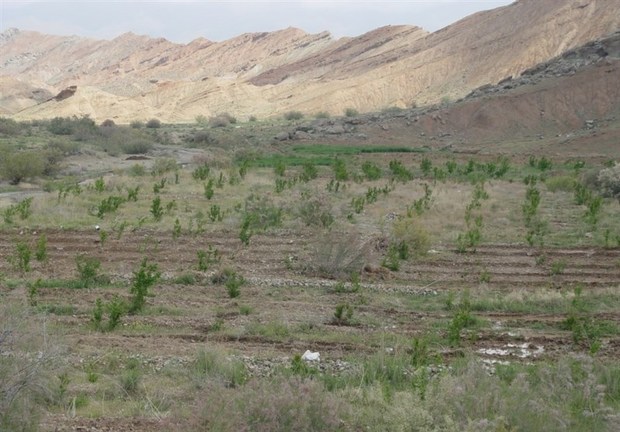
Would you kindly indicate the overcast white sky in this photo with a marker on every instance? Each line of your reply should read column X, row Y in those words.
column 183, row 21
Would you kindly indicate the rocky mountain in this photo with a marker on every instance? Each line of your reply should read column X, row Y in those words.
column 566, row 106
column 265, row 74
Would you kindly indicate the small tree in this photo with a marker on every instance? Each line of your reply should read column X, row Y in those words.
column 156, row 209
column 146, row 276
column 88, row 270
column 19, row 166
column 22, row 257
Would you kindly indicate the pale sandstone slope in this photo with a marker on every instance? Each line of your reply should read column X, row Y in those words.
column 264, row 74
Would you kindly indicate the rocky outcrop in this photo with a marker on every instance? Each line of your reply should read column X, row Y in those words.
column 65, row 94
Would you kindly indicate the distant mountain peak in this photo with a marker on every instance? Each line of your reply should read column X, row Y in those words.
column 267, row 73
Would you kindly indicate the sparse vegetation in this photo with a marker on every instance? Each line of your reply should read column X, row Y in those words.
column 153, row 124
column 609, row 181
column 351, row 112
column 222, row 120
column 21, row 165
column 88, row 270
column 337, row 257
column 354, row 255
column 143, row 279
column 471, row 238
column 293, row 115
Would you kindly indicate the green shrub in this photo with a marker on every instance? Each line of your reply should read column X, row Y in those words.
column 293, row 115
column 99, row 185
column 208, row 189
column 535, row 225
column 97, row 314
column 136, row 145
column 392, row 258
column 41, row 250
column 137, row 170
column 202, row 172
column 276, row 405
column 582, row 194
column 562, row 183
column 156, row 209
column 261, row 213
column 563, row 395
column 185, row 279
column 593, row 209
column 322, row 115
column 103, row 236
column 609, row 181
column 9, row 127
column 202, row 137
column 131, row 378
column 358, row 204
column 215, row 213
column 176, row 229
column 33, row 291
column 109, row 205
column 207, row 258
column 88, row 270
column 245, row 234
column 153, row 124
column 279, row 168
column 315, row 211
column 309, row 172
column 21, row 165
column 411, row 236
column 157, row 187
column 30, row 358
column 343, row 314
column 23, row 208
column 132, row 193
column 231, row 280
column 211, row 367
column 162, row 166
column 461, row 319
column 340, row 170
column 336, row 257
column 371, row 171
column 426, row 166
column 61, row 126
column 116, row 309
column 244, row 165
column 143, row 279
column 22, row 257
column 82, row 128
column 351, row 112
column 233, row 285
column 222, row 120
column 399, row 171
column 422, row 204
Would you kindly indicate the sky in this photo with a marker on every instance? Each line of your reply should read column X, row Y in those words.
column 183, row 21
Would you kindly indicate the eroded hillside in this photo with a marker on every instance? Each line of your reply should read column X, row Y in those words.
column 266, row 74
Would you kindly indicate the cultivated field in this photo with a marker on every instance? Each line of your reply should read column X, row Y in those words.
column 444, row 291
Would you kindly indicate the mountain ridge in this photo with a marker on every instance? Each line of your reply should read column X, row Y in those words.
column 265, row 74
